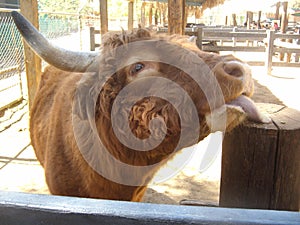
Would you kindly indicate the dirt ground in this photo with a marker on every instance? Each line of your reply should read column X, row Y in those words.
column 20, row 171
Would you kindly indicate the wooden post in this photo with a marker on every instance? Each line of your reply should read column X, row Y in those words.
column 226, row 20
column 159, row 13
column 286, row 193
column 176, row 15
column 277, row 11
column 150, row 15
column 234, row 23
column 143, row 14
column 92, row 39
column 289, row 54
column 269, row 50
column 261, row 163
column 284, row 20
column 186, row 14
column 93, row 44
column 234, row 39
column 156, row 16
column 80, row 25
column 29, row 8
column 249, row 19
column 199, row 37
column 164, row 14
column 246, row 23
column 297, row 55
column 130, row 15
column 103, row 17
column 258, row 20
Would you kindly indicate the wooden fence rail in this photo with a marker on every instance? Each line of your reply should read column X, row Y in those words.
column 242, row 40
column 28, row 209
column 271, row 43
column 228, row 39
column 93, row 44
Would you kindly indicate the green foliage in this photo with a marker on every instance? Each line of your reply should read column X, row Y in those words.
column 70, row 6
column 294, row 4
column 116, row 8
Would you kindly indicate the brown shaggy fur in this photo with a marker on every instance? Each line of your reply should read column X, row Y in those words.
column 67, row 172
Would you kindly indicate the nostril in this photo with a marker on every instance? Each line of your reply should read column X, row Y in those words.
column 234, row 68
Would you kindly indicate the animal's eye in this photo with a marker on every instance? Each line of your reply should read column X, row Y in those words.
column 136, row 68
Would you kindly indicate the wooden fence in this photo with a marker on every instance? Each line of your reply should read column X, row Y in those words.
column 21, row 208
column 245, row 40
column 93, row 44
column 239, row 40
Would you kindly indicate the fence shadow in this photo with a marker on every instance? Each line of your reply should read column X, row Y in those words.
column 263, row 94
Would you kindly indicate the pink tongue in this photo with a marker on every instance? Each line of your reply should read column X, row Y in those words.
column 250, row 109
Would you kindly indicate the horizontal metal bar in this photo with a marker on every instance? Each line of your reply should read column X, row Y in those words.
column 25, row 209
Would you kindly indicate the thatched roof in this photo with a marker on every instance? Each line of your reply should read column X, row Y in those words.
column 204, row 3
column 211, row 3
column 200, row 5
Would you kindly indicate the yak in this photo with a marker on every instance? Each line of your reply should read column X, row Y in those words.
column 102, row 123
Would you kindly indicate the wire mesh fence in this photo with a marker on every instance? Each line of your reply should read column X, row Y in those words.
column 11, row 61
column 57, row 25
column 67, row 30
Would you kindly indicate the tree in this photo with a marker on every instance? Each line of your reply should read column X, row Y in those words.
column 294, row 4
column 70, row 6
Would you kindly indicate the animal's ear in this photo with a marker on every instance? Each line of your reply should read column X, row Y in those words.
column 142, row 33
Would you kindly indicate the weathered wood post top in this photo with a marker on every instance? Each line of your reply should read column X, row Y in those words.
column 261, row 163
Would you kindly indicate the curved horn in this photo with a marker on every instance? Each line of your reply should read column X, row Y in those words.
column 54, row 55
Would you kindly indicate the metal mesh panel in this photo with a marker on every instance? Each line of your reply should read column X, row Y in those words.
column 54, row 26
column 11, row 60
column 11, row 46
column 67, row 30
column 61, row 29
